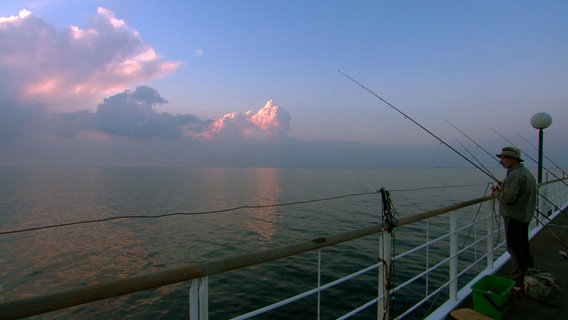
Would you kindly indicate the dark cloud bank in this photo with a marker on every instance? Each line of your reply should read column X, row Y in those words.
column 126, row 130
column 131, row 115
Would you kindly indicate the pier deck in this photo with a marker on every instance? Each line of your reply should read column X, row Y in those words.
column 545, row 248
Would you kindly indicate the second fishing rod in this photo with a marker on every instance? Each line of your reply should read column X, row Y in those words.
column 487, row 173
column 485, row 150
column 531, row 158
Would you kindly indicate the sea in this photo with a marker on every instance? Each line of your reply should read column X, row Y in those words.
column 220, row 213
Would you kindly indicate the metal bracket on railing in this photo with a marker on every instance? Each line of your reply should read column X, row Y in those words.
column 388, row 219
column 389, row 222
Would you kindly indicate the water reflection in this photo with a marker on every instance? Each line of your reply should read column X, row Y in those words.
column 266, row 191
column 229, row 188
column 44, row 260
column 50, row 260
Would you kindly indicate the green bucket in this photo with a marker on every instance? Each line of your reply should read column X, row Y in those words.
column 492, row 296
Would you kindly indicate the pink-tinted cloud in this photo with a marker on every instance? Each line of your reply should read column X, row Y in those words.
column 14, row 19
column 76, row 68
column 271, row 121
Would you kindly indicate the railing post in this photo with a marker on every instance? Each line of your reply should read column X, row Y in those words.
column 319, row 284
column 490, row 241
column 543, row 205
column 194, row 300
column 199, row 299
column 539, row 204
column 384, row 270
column 453, row 257
column 204, row 299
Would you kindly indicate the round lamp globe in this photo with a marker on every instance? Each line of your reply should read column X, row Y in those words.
column 541, row 120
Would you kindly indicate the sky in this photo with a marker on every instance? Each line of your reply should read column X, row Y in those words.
column 256, row 83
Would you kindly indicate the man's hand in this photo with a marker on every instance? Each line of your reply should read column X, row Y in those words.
column 495, row 189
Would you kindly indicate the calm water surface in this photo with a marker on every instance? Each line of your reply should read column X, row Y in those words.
column 41, row 261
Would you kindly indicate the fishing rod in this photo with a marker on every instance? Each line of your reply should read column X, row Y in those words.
column 528, row 156
column 511, row 143
column 532, row 145
column 424, row 128
column 419, row 125
column 474, row 142
column 563, row 253
column 472, row 155
column 550, row 231
column 545, row 198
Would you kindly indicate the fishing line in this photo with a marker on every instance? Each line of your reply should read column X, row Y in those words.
column 497, row 219
column 474, row 142
column 439, row 187
column 540, row 194
column 555, row 225
column 473, row 156
column 489, row 185
column 477, row 144
column 419, row 125
column 549, row 201
column 532, row 145
column 463, row 246
column 548, row 229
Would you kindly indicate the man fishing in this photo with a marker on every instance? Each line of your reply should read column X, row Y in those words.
column 517, row 203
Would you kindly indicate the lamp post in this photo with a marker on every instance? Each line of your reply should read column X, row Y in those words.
column 540, row 121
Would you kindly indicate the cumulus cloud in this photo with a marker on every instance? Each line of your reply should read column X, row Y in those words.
column 269, row 122
column 73, row 69
column 272, row 119
column 15, row 19
column 132, row 115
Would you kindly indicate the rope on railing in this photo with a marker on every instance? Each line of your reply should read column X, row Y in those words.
column 225, row 210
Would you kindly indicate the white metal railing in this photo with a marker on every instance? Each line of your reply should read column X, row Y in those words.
column 448, row 271
column 492, row 258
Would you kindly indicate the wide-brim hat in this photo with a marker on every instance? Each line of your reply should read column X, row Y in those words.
column 510, row 152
